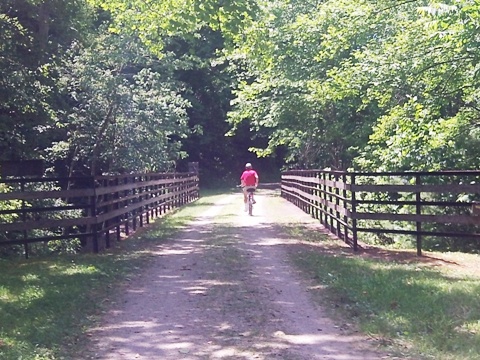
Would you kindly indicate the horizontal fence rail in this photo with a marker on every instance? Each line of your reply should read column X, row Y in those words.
column 422, row 204
column 91, row 209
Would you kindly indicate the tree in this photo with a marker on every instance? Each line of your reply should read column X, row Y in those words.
column 327, row 78
column 289, row 85
column 154, row 21
column 33, row 37
column 197, row 32
column 126, row 110
column 429, row 90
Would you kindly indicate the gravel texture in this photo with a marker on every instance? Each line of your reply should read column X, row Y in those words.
column 225, row 289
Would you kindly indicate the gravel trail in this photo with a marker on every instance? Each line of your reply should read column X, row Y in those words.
column 225, row 289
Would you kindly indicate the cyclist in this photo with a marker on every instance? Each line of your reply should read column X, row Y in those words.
column 248, row 180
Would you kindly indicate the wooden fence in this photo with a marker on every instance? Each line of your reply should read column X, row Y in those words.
column 92, row 209
column 442, row 204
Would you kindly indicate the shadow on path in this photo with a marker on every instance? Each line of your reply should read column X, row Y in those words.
column 224, row 289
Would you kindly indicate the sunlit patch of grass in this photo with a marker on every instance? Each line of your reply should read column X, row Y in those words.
column 308, row 235
column 46, row 304
column 415, row 307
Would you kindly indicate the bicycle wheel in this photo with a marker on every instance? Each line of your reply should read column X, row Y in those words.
column 250, row 204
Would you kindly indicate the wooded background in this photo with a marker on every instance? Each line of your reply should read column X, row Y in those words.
column 97, row 87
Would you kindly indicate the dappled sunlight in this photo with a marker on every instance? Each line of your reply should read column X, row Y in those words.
column 197, row 290
column 272, row 242
column 224, row 326
column 310, row 339
column 220, row 291
column 217, row 283
column 147, row 339
column 183, row 251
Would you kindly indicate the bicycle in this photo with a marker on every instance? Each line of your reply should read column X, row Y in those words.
column 250, row 200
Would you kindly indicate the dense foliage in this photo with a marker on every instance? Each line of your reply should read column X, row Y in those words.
column 96, row 88
column 383, row 85
column 103, row 86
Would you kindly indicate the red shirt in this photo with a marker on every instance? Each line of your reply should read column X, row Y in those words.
column 249, row 177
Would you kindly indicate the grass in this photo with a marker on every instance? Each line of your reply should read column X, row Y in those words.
column 429, row 313
column 45, row 300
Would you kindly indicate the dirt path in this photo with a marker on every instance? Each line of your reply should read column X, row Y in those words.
column 224, row 289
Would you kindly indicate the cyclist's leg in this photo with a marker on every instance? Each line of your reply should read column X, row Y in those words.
column 245, row 198
column 250, row 202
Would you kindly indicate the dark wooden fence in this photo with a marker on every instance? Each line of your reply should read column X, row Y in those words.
column 421, row 204
column 92, row 209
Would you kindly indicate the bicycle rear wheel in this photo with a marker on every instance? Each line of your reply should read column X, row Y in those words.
column 250, row 204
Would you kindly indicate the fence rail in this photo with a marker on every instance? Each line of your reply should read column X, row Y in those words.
column 349, row 203
column 92, row 209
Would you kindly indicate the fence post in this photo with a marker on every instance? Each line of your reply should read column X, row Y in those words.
column 337, row 204
column 140, row 199
column 118, row 220
column 317, row 194
column 106, row 209
column 127, row 202
column 418, row 211
column 94, row 215
column 345, row 207
column 134, row 201
column 24, row 219
column 155, row 194
column 330, row 202
column 146, row 198
column 323, row 216
column 354, row 214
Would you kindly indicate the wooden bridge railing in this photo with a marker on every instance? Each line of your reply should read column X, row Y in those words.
column 92, row 209
column 348, row 203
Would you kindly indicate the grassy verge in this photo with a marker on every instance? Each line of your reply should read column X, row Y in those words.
column 428, row 312
column 47, row 303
